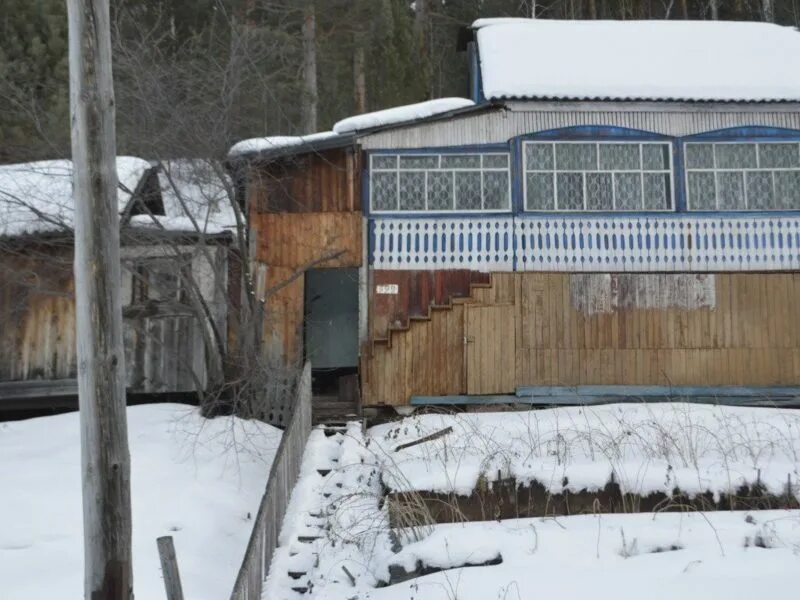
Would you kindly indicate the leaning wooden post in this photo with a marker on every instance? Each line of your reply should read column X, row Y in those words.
column 105, row 460
column 169, row 567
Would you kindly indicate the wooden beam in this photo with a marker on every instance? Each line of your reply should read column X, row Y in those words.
column 105, row 459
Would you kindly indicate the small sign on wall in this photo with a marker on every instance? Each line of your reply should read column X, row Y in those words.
column 387, row 288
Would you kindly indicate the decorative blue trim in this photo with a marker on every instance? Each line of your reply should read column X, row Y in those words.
column 745, row 134
column 594, row 133
column 758, row 391
column 466, row 149
column 751, row 401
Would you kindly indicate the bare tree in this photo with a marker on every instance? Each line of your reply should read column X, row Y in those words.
column 108, row 572
column 311, row 95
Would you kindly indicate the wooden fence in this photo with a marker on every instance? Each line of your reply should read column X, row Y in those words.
column 282, row 477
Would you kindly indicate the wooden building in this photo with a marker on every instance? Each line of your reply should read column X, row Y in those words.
column 174, row 244
column 614, row 213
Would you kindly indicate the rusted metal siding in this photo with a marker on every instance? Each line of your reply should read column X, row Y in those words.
column 673, row 119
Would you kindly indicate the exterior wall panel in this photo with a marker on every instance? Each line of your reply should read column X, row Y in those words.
column 666, row 119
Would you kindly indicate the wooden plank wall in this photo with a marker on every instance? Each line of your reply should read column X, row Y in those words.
column 302, row 211
column 416, row 291
column 37, row 315
column 732, row 329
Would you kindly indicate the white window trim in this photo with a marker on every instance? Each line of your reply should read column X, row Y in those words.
column 443, row 211
column 717, row 170
column 670, row 171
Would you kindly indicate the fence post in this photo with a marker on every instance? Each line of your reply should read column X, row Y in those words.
column 169, row 566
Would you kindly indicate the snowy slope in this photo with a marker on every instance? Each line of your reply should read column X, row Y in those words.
column 653, row 60
column 192, row 478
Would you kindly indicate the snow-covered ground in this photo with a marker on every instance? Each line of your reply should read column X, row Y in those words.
column 337, row 544
column 197, row 480
column 647, row 448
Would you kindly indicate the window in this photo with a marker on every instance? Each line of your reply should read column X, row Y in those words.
column 159, row 280
column 743, row 176
column 598, row 176
column 439, row 182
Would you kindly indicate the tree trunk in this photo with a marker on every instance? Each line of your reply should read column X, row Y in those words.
column 593, row 9
column 685, row 9
column 769, row 11
column 310, row 96
column 105, row 458
column 714, row 10
column 359, row 80
column 422, row 19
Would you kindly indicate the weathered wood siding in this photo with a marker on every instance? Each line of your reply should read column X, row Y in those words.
column 597, row 329
column 396, row 296
column 674, row 119
column 37, row 315
column 164, row 349
column 304, row 212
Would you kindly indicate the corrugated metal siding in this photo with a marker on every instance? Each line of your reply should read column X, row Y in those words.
column 499, row 127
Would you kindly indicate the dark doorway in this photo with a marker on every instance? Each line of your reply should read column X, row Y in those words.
column 331, row 319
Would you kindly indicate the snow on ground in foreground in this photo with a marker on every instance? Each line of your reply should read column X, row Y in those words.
column 337, row 543
column 192, row 478
column 647, row 447
column 668, row 556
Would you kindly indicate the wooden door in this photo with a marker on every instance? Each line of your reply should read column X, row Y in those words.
column 489, row 334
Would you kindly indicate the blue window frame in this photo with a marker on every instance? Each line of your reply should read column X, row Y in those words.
column 597, row 176
column 440, row 182
column 742, row 175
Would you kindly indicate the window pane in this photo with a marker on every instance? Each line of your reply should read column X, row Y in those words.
column 419, row 162
column 735, row 156
column 384, row 162
column 599, row 191
column 780, row 156
column 539, row 191
column 699, row 156
column 468, row 190
column 569, row 191
column 657, row 192
column 576, row 157
column 495, row 190
column 629, row 191
column 412, row 190
column 384, row 191
column 759, row 189
column 495, row 161
column 440, row 190
column 787, row 189
column 539, row 157
column 702, row 191
column 655, row 156
column 461, row 161
column 731, row 190
column 619, row 157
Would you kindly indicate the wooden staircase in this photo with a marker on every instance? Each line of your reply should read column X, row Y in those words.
column 428, row 354
column 386, row 341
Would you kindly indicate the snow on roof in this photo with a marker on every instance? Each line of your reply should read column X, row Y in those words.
column 647, row 60
column 279, row 142
column 37, row 197
column 400, row 114
column 195, row 197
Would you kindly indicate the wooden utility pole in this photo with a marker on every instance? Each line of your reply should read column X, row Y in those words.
column 105, row 460
column 310, row 95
